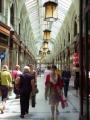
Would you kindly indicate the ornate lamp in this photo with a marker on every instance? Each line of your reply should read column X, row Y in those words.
column 47, row 35
column 50, row 10
column 44, row 53
column 45, row 45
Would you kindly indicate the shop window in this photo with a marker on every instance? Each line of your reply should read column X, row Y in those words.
column 0, row 5
column 12, row 14
column 75, row 28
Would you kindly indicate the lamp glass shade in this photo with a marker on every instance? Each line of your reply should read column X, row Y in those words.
column 50, row 11
column 47, row 35
column 45, row 45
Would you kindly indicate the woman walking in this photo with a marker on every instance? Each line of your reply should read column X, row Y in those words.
column 6, row 82
column 52, row 90
column 25, row 83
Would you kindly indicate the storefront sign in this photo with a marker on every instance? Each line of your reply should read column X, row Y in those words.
column 76, row 58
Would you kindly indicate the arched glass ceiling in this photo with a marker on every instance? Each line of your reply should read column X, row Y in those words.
column 35, row 10
column 33, row 7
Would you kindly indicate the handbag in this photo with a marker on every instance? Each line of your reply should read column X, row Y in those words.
column 63, row 102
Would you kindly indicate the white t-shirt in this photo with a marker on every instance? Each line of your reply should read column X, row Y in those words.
column 46, row 73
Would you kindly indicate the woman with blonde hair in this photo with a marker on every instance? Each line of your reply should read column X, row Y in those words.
column 53, row 85
column 6, row 81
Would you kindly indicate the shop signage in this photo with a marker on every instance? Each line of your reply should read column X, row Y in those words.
column 76, row 58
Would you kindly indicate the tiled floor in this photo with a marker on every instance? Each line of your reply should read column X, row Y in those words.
column 42, row 109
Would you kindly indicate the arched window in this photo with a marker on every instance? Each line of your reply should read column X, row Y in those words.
column 12, row 14
column 75, row 28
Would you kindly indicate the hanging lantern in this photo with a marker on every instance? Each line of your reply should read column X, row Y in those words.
column 45, row 45
column 47, row 34
column 50, row 10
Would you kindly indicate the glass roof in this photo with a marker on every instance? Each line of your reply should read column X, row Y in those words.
column 35, row 11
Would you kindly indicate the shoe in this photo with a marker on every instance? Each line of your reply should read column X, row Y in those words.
column 21, row 116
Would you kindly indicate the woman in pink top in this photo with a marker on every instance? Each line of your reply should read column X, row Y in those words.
column 15, row 74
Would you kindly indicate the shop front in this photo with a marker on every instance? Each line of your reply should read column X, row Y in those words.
column 19, row 53
column 4, row 43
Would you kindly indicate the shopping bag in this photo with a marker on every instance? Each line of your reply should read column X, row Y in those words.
column 64, row 102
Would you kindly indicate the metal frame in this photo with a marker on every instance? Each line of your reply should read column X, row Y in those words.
column 84, row 61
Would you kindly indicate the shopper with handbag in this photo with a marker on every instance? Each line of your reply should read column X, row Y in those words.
column 25, row 83
column 6, row 82
column 53, row 88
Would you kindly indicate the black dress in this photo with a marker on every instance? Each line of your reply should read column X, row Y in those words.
column 76, row 82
